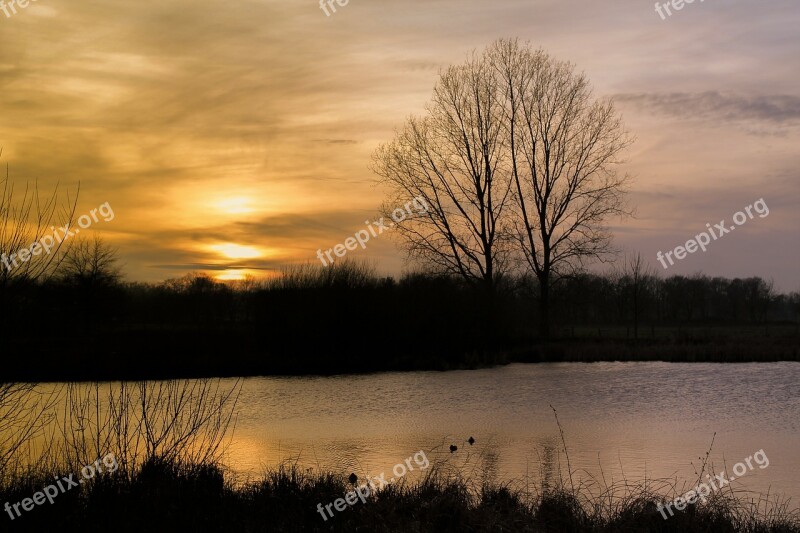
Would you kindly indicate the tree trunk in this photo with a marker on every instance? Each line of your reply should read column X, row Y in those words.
column 636, row 313
column 544, row 307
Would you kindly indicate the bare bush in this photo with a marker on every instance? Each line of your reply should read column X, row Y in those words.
column 65, row 428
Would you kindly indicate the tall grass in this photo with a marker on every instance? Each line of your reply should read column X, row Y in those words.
column 346, row 274
column 171, row 497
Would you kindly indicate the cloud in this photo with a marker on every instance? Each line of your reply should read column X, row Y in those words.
column 215, row 267
column 165, row 108
column 779, row 109
column 337, row 141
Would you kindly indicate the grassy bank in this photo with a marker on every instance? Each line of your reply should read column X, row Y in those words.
column 165, row 496
column 224, row 352
column 732, row 349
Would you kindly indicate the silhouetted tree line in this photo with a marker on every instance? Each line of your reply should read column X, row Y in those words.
column 618, row 299
column 346, row 318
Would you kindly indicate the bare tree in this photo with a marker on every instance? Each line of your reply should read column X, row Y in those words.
column 759, row 293
column 514, row 149
column 563, row 147
column 91, row 263
column 47, row 427
column 454, row 159
column 637, row 279
column 179, row 420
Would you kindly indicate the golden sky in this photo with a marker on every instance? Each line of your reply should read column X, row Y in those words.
column 237, row 136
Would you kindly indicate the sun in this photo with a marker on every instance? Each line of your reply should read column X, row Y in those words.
column 232, row 275
column 235, row 205
column 236, row 251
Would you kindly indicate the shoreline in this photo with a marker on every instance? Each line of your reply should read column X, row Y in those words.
column 130, row 356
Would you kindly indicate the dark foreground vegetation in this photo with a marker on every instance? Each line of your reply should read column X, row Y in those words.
column 165, row 496
column 345, row 318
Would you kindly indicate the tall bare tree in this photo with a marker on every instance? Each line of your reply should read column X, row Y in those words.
column 515, row 157
column 563, row 148
column 455, row 159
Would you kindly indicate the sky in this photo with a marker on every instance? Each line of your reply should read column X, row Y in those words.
column 237, row 137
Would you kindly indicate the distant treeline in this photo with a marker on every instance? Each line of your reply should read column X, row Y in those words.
column 617, row 299
column 346, row 318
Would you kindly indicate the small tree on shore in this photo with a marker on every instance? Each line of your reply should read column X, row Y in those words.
column 637, row 280
column 90, row 264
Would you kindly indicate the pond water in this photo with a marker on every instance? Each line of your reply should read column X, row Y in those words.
column 632, row 420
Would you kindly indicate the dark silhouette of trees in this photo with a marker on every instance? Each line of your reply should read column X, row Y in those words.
column 89, row 275
column 635, row 288
column 90, row 264
column 347, row 318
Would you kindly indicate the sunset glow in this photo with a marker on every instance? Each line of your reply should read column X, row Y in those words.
column 220, row 145
column 265, row 263
column 236, row 251
column 235, row 206
column 231, row 275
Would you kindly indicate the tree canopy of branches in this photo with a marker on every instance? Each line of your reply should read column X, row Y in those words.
column 563, row 148
column 454, row 158
column 518, row 162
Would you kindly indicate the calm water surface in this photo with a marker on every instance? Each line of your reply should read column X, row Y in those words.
column 633, row 419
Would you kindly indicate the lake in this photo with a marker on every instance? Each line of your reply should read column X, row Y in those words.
column 633, row 420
